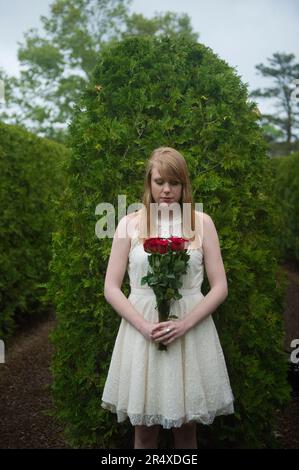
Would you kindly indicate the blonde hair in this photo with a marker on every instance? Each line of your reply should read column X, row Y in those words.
column 172, row 166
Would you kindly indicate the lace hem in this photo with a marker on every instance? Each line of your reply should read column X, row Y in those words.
column 166, row 423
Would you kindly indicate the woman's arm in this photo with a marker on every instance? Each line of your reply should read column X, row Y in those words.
column 216, row 275
column 116, row 269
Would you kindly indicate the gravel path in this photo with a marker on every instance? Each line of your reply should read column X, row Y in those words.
column 24, row 391
column 288, row 419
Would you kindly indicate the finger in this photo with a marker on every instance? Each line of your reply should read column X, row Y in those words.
column 166, row 331
column 164, row 334
column 156, row 334
column 159, row 336
column 163, row 324
column 158, row 328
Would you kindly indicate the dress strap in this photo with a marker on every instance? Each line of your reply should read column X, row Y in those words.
column 133, row 232
column 198, row 237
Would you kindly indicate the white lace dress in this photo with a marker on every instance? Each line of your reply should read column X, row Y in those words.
column 189, row 382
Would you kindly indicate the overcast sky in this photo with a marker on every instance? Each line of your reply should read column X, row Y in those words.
column 242, row 32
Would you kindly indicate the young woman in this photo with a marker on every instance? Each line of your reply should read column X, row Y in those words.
column 189, row 382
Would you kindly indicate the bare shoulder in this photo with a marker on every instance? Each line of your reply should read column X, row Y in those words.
column 128, row 218
column 210, row 235
column 133, row 215
column 207, row 228
column 207, row 219
column 201, row 214
column 204, row 220
column 128, row 224
column 209, row 222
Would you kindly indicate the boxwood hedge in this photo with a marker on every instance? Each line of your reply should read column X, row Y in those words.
column 286, row 193
column 145, row 93
column 31, row 179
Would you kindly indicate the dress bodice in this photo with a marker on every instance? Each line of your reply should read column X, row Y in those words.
column 138, row 265
column 169, row 227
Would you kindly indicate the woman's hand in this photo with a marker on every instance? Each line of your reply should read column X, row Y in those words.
column 159, row 333
column 147, row 329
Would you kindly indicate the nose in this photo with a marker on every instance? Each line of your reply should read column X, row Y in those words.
column 166, row 188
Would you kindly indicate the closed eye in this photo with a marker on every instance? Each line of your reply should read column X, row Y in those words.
column 173, row 183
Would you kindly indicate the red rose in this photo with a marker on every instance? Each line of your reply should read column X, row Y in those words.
column 178, row 244
column 156, row 245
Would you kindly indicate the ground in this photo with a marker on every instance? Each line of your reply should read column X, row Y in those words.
column 288, row 419
column 24, row 390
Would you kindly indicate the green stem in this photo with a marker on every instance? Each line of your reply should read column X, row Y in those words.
column 163, row 311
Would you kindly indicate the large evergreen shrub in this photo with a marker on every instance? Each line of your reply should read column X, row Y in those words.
column 286, row 193
column 30, row 181
column 149, row 92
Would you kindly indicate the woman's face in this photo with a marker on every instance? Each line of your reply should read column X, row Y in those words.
column 165, row 191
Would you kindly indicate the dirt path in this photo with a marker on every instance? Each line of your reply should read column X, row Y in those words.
column 288, row 419
column 291, row 313
column 24, row 391
column 25, row 379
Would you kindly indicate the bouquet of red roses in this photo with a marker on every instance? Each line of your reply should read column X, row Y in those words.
column 168, row 261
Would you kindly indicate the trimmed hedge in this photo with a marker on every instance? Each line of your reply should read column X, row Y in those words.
column 286, row 192
column 149, row 92
column 30, row 181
